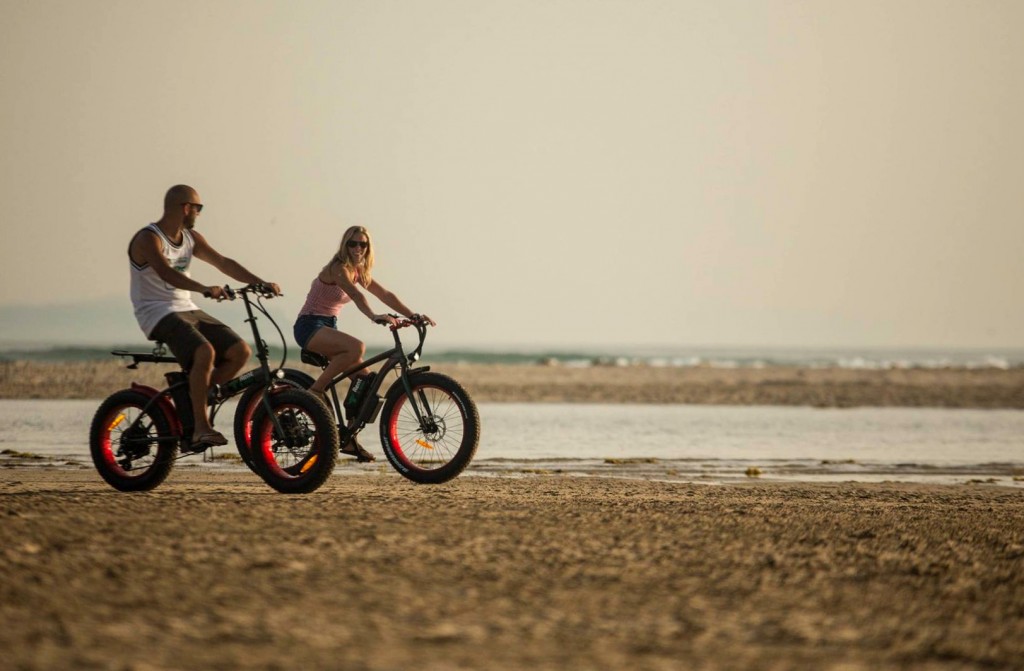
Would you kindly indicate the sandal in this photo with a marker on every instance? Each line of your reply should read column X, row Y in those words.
column 356, row 450
column 205, row 440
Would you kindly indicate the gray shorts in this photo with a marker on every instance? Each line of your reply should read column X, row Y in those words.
column 184, row 332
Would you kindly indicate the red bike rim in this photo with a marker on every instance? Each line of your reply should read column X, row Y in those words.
column 117, row 417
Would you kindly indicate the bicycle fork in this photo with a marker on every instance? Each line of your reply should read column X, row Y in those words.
column 426, row 416
column 289, row 437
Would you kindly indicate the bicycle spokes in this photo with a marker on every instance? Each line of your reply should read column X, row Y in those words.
column 436, row 434
column 295, row 434
column 134, row 441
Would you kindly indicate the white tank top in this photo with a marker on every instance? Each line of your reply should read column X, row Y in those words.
column 152, row 298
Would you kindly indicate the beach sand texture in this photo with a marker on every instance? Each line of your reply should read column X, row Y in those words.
column 214, row 570
column 827, row 387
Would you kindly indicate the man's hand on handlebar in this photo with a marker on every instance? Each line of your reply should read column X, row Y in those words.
column 218, row 293
column 269, row 288
column 226, row 293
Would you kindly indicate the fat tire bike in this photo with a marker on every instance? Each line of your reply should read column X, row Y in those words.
column 137, row 434
column 429, row 424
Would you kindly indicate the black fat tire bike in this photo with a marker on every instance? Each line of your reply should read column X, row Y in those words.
column 137, row 434
column 429, row 424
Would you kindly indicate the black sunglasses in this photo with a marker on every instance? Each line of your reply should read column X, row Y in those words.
column 198, row 206
column 352, row 244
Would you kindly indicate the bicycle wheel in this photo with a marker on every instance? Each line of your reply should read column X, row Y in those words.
column 440, row 446
column 132, row 450
column 300, row 457
column 247, row 404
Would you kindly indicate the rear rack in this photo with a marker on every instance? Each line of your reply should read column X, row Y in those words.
column 158, row 355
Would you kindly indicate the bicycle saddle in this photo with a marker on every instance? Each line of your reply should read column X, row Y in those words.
column 313, row 359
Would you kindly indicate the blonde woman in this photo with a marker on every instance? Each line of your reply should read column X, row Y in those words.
column 337, row 284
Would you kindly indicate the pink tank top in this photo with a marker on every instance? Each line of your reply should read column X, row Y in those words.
column 324, row 299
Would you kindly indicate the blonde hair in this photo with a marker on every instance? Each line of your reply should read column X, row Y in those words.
column 364, row 268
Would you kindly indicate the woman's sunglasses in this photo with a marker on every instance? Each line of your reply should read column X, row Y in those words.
column 352, row 244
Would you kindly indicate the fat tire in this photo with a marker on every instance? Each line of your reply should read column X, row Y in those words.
column 246, row 408
column 461, row 403
column 104, row 450
column 325, row 443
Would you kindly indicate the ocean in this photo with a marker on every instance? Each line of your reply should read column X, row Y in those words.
column 674, row 356
column 681, row 443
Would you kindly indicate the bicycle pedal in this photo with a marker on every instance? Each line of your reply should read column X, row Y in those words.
column 196, row 448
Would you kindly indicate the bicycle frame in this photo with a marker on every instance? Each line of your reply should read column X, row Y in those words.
column 179, row 391
column 392, row 358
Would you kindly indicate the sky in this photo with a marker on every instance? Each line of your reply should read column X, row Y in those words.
column 759, row 173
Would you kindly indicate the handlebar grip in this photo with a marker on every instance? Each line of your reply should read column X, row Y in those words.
column 265, row 290
column 229, row 294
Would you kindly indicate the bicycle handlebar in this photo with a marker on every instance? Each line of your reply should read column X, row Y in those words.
column 257, row 288
column 420, row 322
column 415, row 320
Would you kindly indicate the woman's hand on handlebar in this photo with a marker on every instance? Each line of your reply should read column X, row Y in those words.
column 386, row 320
column 423, row 319
column 397, row 321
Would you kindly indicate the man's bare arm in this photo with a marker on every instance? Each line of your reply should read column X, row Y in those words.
column 146, row 248
column 233, row 269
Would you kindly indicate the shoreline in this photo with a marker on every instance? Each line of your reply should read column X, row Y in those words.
column 214, row 570
column 504, row 383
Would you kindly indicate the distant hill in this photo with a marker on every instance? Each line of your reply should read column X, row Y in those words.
column 85, row 322
column 105, row 321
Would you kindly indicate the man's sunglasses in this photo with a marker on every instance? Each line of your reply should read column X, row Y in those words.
column 352, row 244
column 198, row 206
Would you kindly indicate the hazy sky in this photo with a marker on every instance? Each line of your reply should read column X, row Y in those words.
column 806, row 173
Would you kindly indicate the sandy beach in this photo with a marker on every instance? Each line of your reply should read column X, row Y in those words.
column 826, row 387
column 214, row 570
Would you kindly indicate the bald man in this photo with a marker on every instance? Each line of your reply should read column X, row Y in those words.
column 160, row 256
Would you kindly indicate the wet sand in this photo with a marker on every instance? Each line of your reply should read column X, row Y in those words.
column 214, row 570
column 829, row 387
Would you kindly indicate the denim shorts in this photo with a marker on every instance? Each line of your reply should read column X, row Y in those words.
column 307, row 325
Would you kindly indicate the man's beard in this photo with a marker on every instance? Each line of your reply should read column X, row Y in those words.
column 190, row 223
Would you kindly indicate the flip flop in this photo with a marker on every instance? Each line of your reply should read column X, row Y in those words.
column 205, row 440
column 356, row 450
